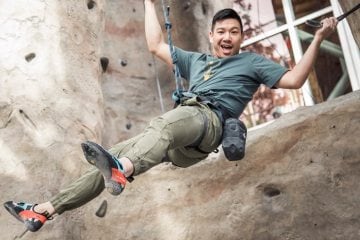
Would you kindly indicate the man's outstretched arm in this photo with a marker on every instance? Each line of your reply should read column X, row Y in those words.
column 153, row 33
column 296, row 77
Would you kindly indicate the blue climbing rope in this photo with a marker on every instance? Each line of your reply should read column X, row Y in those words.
column 179, row 83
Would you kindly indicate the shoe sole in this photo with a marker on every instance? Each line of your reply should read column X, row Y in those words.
column 98, row 157
column 9, row 207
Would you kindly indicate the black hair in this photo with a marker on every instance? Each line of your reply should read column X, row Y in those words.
column 226, row 14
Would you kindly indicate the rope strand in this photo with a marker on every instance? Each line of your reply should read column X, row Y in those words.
column 178, row 79
column 158, row 85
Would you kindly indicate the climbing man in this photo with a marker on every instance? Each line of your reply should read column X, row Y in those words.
column 220, row 86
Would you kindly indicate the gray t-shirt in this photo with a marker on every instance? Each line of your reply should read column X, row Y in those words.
column 230, row 81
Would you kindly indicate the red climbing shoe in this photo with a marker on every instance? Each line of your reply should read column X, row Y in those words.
column 24, row 212
column 108, row 165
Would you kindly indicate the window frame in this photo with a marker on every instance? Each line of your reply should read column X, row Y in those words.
column 347, row 42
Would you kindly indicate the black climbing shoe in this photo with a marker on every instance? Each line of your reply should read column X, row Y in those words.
column 24, row 212
column 108, row 165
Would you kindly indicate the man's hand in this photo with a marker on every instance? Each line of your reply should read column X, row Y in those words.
column 328, row 27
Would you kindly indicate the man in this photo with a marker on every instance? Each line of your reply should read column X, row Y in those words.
column 186, row 134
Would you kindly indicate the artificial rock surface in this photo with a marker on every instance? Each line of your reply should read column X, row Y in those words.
column 298, row 180
column 50, row 98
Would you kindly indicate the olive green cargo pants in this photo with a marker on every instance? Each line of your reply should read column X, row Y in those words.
column 166, row 139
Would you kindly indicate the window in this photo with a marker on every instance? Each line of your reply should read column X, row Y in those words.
column 277, row 30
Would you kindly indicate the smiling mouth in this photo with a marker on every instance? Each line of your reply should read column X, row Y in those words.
column 226, row 47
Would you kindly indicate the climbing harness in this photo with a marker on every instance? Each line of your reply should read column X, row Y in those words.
column 179, row 82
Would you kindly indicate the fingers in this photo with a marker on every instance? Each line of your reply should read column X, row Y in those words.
column 328, row 27
column 329, row 23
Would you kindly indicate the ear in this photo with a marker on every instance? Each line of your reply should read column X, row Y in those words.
column 211, row 37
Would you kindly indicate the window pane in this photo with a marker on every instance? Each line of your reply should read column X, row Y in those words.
column 268, row 104
column 330, row 68
column 302, row 8
column 259, row 16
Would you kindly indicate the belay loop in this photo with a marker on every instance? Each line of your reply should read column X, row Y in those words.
column 179, row 84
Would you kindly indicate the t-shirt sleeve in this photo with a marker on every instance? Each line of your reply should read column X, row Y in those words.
column 184, row 59
column 267, row 71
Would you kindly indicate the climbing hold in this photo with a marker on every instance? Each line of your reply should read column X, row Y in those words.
column 104, row 63
column 91, row 4
column 204, row 8
column 123, row 63
column 29, row 57
column 271, row 191
column 101, row 212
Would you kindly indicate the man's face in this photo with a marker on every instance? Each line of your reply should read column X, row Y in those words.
column 226, row 38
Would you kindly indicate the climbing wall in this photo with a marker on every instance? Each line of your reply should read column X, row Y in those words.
column 50, row 101
column 77, row 70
